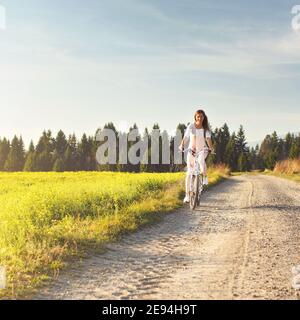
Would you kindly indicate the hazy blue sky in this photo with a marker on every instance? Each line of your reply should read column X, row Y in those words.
column 76, row 65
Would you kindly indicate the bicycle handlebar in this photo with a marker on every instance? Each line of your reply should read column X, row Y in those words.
column 189, row 149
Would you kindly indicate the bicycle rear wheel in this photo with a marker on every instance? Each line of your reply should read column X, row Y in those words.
column 194, row 194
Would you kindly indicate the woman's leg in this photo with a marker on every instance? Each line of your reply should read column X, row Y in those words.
column 203, row 169
column 190, row 167
column 201, row 159
column 187, row 183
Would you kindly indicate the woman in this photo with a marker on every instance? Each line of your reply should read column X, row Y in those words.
column 200, row 141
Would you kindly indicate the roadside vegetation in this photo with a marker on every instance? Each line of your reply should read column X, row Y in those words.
column 289, row 169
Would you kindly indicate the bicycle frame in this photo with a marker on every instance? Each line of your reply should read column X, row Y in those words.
column 196, row 171
column 195, row 176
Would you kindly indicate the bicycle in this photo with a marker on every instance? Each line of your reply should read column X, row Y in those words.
column 196, row 182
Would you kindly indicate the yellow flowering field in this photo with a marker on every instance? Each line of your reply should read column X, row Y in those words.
column 47, row 219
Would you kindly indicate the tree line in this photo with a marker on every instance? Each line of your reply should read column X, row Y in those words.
column 62, row 153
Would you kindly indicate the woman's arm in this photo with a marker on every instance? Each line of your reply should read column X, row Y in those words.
column 182, row 143
column 210, row 145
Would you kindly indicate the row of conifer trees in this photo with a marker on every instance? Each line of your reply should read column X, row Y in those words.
column 62, row 153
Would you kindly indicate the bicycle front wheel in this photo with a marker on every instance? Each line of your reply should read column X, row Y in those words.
column 194, row 192
column 200, row 189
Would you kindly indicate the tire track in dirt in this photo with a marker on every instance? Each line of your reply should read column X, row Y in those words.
column 239, row 269
column 274, row 239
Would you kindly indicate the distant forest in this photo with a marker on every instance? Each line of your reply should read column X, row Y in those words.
column 62, row 153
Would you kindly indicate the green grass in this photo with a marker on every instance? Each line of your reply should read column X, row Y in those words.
column 253, row 172
column 292, row 176
column 48, row 220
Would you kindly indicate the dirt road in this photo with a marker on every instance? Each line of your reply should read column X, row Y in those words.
column 240, row 244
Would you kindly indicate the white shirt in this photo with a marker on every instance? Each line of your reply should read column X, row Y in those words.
column 196, row 137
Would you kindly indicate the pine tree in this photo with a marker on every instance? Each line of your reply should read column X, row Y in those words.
column 269, row 151
column 242, row 150
column 230, row 156
column 241, row 143
column 4, row 151
column 281, row 147
column 295, row 148
column 87, row 154
column 217, row 145
column 92, row 153
column 72, row 157
column 258, row 160
column 60, row 147
column 225, row 139
column 44, row 152
column 252, row 159
column 16, row 157
column 288, row 144
column 265, row 148
column 221, row 138
column 60, row 144
column 242, row 164
column 68, row 159
column 59, row 165
column 30, row 163
column 83, row 148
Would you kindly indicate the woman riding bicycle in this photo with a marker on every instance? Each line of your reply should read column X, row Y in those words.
column 200, row 141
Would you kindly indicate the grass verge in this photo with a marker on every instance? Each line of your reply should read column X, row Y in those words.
column 287, row 169
column 290, row 176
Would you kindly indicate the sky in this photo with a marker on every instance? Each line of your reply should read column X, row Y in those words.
column 76, row 65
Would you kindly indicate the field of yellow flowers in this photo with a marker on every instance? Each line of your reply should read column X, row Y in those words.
column 46, row 219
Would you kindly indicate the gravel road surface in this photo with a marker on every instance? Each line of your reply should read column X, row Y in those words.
column 240, row 244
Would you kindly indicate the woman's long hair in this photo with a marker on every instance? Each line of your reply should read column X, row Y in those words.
column 205, row 120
